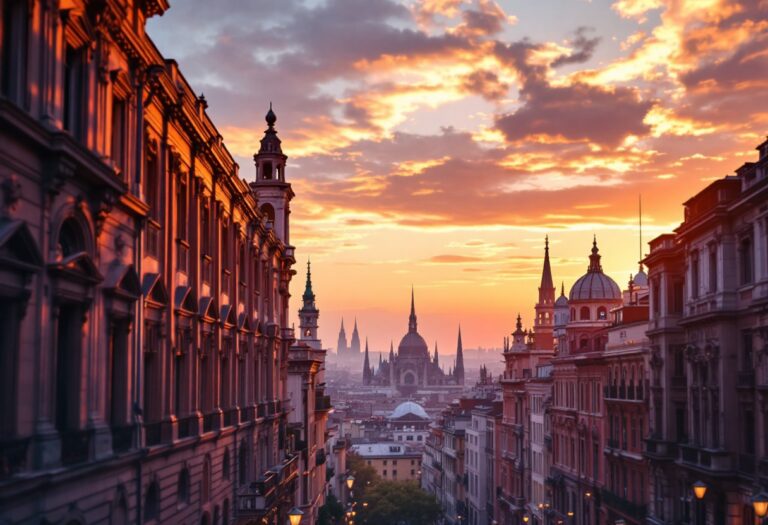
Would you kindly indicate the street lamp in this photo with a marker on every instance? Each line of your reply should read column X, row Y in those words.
column 526, row 518
column 760, row 505
column 699, row 490
column 350, row 481
column 294, row 516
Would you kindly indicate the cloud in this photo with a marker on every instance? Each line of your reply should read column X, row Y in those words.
column 583, row 48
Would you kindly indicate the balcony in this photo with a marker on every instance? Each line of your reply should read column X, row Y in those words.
column 189, row 426
column 258, row 498
column 13, row 457
column 712, row 460
column 322, row 403
column 626, row 507
column 658, row 449
column 74, row 446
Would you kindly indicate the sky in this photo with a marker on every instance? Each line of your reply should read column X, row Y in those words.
column 434, row 144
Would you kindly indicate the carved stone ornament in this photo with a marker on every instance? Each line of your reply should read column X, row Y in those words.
column 102, row 207
column 11, row 188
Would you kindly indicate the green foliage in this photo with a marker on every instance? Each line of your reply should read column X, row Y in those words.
column 365, row 475
column 331, row 513
column 398, row 503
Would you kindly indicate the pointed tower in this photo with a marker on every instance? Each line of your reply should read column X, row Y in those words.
column 392, row 364
column 518, row 336
column 412, row 325
column 354, row 344
column 543, row 328
column 308, row 314
column 272, row 192
column 366, row 366
column 341, row 346
column 435, row 359
column 458, row 370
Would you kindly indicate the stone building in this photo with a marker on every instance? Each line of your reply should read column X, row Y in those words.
column 412, row 369
column 391, row 461
column 709, row 361
column 310, row 406
column 145, row 285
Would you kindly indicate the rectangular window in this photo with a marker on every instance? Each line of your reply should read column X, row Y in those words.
column 745, row 260
column 74, row 91
column 119, row 119
column 713, row 268
column 695, row 281
column 746, row 351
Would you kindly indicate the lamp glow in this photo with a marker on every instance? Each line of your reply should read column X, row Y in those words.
column 294, row 516
column 760, row 505
column 350, row 481
column 699, row 489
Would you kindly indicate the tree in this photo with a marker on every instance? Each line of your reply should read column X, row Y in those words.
column 330, row 513
column 398, row 503
column 365, row 475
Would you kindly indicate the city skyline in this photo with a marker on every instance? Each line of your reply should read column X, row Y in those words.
column 422, row 136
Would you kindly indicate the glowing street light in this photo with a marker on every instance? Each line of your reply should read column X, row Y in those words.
column 699, row 490
column 350, row 481
column 294, row 516
column 760, row 505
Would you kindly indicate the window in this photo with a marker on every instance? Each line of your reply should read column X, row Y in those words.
column 68, row 360
column 384, row 473
column 745, row 260
column 152, row 502
column 74, row 91
column 713, row 268
column 695, row 281
column 182, row 220
column 584, row 313
column 205, row 489
column 746, row 351
column 15, row 20
column 182, row 489
column 119, row 121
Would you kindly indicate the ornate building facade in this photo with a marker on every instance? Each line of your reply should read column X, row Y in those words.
column 709, row 339
column 145, row 285
column 412, row 368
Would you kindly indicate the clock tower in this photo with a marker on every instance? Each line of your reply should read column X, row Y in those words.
column 308, row 315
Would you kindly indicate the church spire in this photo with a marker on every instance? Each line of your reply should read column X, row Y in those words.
column 458, row 370
column 366, row 366
column 436, row 359
column 354, row 343
column 391, row 351
column 546, row 272
column 412, row 327
column 341, row 346
column 309, row 295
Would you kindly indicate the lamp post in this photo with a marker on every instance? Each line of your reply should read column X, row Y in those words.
column 294, row 516
column 699, row 490
column 587, row 498
column 760, row 506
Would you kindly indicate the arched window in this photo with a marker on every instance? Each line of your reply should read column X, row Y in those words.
column 584, row 343
column 183, row 486
column 269, row 212
column 152, row 502
column 205, row 491
column 602, row 313
column 266, row 171
column 71, row 239
column 225, row 465
column 584, row 313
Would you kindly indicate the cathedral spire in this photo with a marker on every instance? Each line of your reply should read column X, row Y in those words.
column 354, row 343
column 366, row 366
column 458, row 370
column 341, row 346
column 436, row 359
column 412, row 327
column 391, row 351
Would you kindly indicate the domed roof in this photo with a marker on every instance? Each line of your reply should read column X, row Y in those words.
column 594, row 285
column 640, row 278
column 562, row 301
column 412, row 344
column 406, row 408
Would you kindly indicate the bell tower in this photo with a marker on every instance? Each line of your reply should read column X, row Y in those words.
column 272, row 192
column 308, row 315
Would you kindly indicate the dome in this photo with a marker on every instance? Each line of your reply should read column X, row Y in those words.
column 561, row 301
column 406, row 408
column 640, row 278
column 412, row 344
column 594, row 285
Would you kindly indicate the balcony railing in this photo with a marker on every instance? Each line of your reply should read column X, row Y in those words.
column 659, row 449
column 258, row 497
column 74, row 446
column 188, row 426
column 715, row 460
column 623, row 505
column 13, row 457
column 231, row 417
column 322, row 403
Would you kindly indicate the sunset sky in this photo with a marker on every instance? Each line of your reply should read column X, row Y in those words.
column 436, row 143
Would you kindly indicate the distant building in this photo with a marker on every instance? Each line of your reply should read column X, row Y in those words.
column 412, row 369
column 409, row 424
column 392, row 461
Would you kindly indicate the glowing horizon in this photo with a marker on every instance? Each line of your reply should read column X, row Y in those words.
column 436, row 143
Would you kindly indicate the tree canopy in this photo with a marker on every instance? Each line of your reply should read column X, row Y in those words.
column 365, row 475
column 398, row 503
